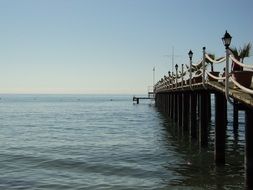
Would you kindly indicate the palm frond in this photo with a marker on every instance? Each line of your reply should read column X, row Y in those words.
column 245, row 51
column 235, row 52
column 241, row 53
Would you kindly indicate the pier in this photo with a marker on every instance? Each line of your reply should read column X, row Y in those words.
column 149, row 97
column 137, row 99
column 185, row 96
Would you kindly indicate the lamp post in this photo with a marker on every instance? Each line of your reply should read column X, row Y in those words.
column 176, row 66
column 182, row 78
column 169, row 77
column 226, row 41
column 153, row 78
column 203, row 65
column 190, row 56
column 172, row 78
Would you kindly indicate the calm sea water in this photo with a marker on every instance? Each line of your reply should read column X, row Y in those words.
column 106, row 142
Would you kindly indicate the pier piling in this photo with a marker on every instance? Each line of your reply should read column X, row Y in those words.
column 249, row 148
column 193, row 115
column 220, row 128
column 203, row 120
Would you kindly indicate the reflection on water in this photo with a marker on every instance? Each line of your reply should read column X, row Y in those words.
column 196, row 167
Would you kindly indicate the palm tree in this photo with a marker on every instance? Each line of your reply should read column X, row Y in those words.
column 240, row 54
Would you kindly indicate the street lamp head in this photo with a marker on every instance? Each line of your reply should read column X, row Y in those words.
column 190, row 54
column 226, row 39
column 176, row 66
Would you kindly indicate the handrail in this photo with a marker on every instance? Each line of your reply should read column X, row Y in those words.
column 199, row 63
column 239, row 63
column 199, row 74
column 219, row 60
column 247, row 90
column 215, row 77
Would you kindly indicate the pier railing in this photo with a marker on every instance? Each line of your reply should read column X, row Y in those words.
column 198, row 74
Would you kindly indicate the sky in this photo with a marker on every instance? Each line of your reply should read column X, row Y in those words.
column 110, row 46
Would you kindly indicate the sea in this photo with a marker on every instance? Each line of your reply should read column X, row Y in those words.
column 108, row 142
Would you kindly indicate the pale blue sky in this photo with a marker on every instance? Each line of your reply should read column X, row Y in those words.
column 109, row 46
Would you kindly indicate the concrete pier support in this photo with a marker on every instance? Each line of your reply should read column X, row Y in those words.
column 203, row 118
column 175, row 107
column 165, row 104
column 185, row 111
column 220, row 128
column 249, row 148
column 171, row 105
column 208, row 107
column 193, row 115
column 179, row 110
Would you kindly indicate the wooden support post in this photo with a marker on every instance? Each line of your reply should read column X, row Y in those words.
column 249, row 148
column 161, row 105
column 172, row 106
column 137, row 100
column 169, row 104
column 160, row 101
column 208, row 107
column 157, row 100
column 165, row 103
column 203, row 120
column 175, row 107
column 179, row 110
column 193, row 115
column 220, row 128
column 185, row 111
